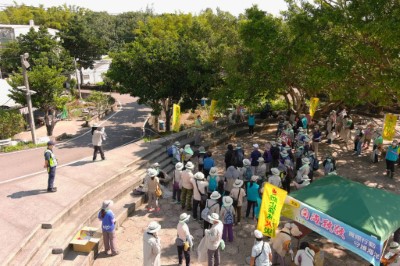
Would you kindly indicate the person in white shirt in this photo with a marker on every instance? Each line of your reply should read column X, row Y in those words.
column 199, row 193
column 183, row 235
column 238, row 194
column 97, row 139
column 213, row 204
column 176, row 180
column 262, row 168
column 261, row 254
column 152, row 245
column 303, row 170
column 214, row 239
column 187, row 187
column 304, row 257
column 275, row 179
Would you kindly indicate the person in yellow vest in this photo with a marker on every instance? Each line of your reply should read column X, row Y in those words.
column 50, row 162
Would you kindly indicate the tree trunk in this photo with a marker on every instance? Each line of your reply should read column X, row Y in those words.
column 50, row 122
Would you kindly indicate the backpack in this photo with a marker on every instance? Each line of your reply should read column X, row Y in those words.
column 170, row 151
column 212, row 184
column 206, row 211
column 328, row 167
column 248, row 174
column 228, row 217
column 315, row 164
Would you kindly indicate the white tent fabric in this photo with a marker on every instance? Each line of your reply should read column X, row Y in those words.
column 4, row 91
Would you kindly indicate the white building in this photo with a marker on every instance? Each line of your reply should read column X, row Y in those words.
column 5, row 101
column 94, row 76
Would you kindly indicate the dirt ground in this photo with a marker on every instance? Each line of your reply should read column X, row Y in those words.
column 358, row 168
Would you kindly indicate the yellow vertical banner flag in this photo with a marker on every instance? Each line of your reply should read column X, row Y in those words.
column 313, row 106
column 176, row 117
column 270, row 211
column 389, row 127
column 211, row 113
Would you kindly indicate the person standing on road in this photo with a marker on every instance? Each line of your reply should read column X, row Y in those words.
column 50, row 162
column 238, row 194
column 107, row 218
column 97, row 139
column 392, row 155
column 176, row 188
column 183, row 235
column 152, row 245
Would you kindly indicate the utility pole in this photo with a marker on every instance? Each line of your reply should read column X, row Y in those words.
column 25, row 65
column 77, row 80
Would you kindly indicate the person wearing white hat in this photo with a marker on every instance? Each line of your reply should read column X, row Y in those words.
column 213, row 207
column 199, row 193
column 261, row 169
column 392, row 257
column 255, row 154
column 245, row 172
column 152, row 183
column 213, row 180
column 261, row 253
column 152, row 245
column 107, row 218
column 187, row 186
column 281, row 243
column 214, row 239
column 187, row 153
column 303, row 170
column 304, row 257
column 183, row 235
column 176, row 152
column 97, row 140
column 227, row 215
column 275, row 179
column 252, row 195
column 176, row 183
column 238, row 194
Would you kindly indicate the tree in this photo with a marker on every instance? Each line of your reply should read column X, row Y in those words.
column 11, row 123
column 100, row 100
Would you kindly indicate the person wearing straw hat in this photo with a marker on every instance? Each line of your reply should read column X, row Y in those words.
column 227, row 215
column 303, row 170
column 187, row 186
column 252, row 194
column 304, row 257
column 213, row 206
column 261, row 253
column 152, row 245
column 392, row 257
column 187, row 153
column 176, row 181
column 275, row 179
column 176, row 152
column 238, row 194
column 183, row 235
column 199, row 193
column 107, row 218
column 214, row 240
column 152, row 184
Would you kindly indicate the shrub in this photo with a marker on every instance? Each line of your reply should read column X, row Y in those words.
column 11, row 123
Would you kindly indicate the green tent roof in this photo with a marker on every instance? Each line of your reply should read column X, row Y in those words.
column 370, row 210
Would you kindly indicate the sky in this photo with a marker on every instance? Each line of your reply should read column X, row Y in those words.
column 235, row 7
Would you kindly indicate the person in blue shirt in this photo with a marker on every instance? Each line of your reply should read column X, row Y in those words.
column 255, row 154
column 252, row 122
column 108, row 227
column 208, row 162
column 304, row 121
column 252, row 195
column 392, row 155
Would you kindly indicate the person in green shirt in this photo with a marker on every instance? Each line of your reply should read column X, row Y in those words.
column 378, row 144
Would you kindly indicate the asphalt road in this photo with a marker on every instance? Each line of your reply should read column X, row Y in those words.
column 124, row 126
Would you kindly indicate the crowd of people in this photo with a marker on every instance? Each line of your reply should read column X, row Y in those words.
column 214, row 194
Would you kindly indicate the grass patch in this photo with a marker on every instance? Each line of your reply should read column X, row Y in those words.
column 22, row 146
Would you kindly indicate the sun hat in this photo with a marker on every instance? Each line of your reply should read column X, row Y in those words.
column 394, row 245
column 202, row 149
column 50, row 143
column 288, row 162
column 177, row 143
column 153, row 227
column 227, row 201
column 255, row 146
column 275, row 171
column 213, row 171
column 184, row 217
column 199, row 176
column 189, row 165
column 213, row 217
column 246, row 162
column 151, row 172
column 260, row 159
column 215, row 195
column 284, row 153
column 179, row 166
column 188, row 149
column 258, row 234
column 254, row 178
column 238, row 183
column 305, row 161
column 107, row 204
column 95, row 125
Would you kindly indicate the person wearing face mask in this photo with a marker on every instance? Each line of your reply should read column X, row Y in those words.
column 152, row 245
column 392, row 155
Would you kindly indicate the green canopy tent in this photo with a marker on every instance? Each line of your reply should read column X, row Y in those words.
column 356, row 216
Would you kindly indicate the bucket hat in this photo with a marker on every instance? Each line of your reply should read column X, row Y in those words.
column 179, row 166
column 213, row 171
column 153, row 227
column 215, row 195
column 189, row 165
column 227, row 201
column 107, row 204
column 238, row 183
column 184, row 217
